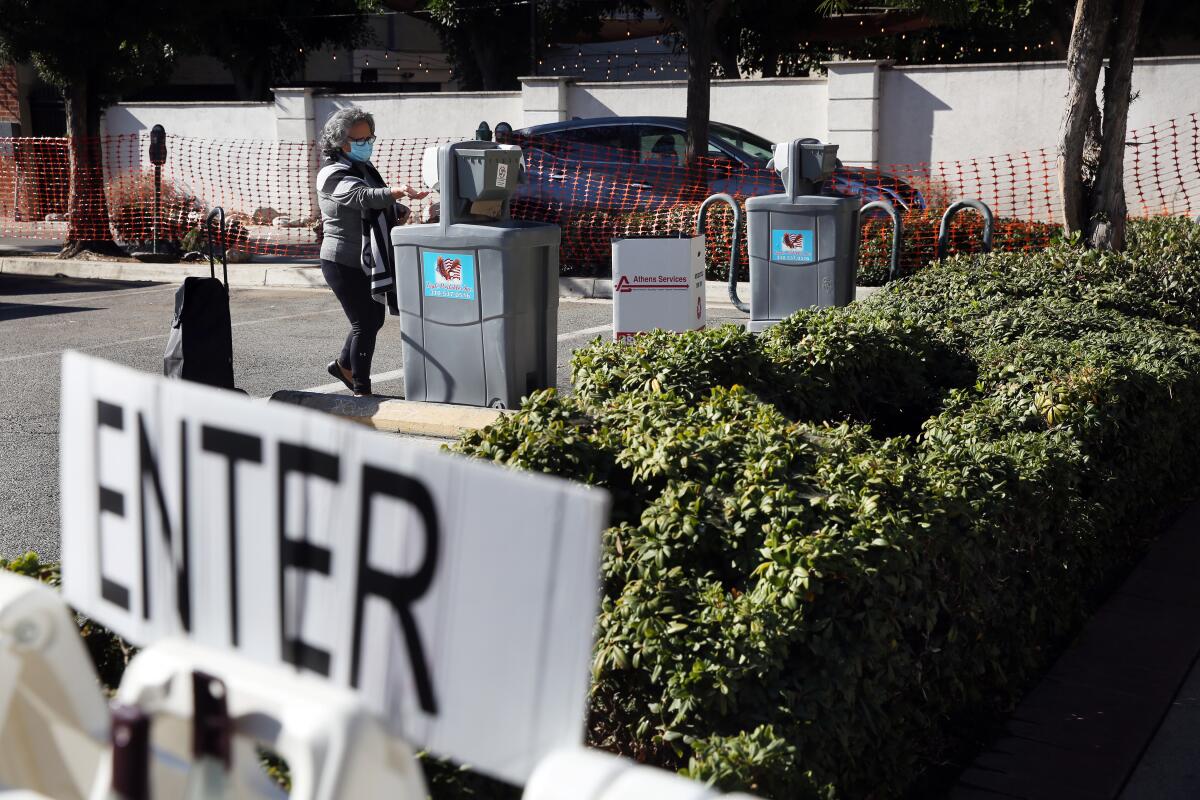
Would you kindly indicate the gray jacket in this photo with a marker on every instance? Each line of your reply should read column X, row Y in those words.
column 342, row 202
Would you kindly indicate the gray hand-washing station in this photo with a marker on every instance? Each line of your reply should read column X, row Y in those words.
column 803, row 246
column 478, row 291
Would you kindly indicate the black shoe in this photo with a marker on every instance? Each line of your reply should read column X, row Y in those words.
column 335, row 369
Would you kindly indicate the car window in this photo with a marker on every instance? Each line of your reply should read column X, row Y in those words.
column 601, row 143
column 660, row 146
column 754, row 146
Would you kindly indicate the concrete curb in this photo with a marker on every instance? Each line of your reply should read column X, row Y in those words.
column 296, row 276
column 437, row 420
column 241, row 276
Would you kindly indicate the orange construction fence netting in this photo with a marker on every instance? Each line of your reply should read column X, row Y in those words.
column 594, row 191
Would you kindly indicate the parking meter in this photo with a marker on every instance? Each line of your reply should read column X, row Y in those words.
column 158, row 157
column 158, row 145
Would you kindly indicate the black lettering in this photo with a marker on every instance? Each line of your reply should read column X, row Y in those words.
column 235, row 447
column 299, row 552
column 112, row 502
column 401, row 591
column 148, row 468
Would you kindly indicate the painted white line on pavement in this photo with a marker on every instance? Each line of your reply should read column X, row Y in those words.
column 161, row 336
column 379, row 377
column 338, row 386
column 562, row 337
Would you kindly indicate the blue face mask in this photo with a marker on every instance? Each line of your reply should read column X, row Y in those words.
column 361, row 151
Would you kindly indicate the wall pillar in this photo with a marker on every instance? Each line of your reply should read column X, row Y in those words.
column 543, row 99
column 294, row 115
column 295, row 127
column 854, row 90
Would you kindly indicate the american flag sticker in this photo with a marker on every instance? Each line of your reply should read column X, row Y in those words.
column 450, row 276
column 793, row 246
column 450, row 269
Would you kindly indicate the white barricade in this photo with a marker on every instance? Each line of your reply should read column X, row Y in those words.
column 333, row 745
column 53, row 718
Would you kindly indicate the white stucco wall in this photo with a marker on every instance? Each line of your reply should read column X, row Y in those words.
column 232, row 120
column 952, row 112
column 946, row 113
column 777, row 108
column 444, row 115
column 972, row 113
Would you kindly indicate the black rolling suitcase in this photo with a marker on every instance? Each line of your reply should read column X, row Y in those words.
column 200, row 347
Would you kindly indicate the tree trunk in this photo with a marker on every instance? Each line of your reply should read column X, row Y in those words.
column 699, row 88
column 493, row 73
column 1106, row 220
column 698, row 28
column 250, row 81
column 87, row 208
column 1085, row 54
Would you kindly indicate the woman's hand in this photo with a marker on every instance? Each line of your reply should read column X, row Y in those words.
column 404, row 191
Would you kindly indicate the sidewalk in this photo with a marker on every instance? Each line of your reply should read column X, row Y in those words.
column 1117, row 716
column 281, row 274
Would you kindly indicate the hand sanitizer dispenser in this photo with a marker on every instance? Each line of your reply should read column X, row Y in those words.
column 803, row 245
column 478, row 290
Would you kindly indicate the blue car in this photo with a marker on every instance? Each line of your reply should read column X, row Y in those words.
column 598, row 168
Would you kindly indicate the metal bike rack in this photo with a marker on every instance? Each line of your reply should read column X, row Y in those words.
column 944, row 228
column 733, row 243
column 897, row 233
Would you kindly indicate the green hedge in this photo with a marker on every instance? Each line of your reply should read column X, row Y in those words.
column 836, row 545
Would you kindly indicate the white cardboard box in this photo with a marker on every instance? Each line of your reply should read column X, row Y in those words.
column 658, row 283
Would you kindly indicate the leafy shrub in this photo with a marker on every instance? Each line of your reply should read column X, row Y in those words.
column 918, row 243
column 237, row 238
column 587, row 237
column 835, row 544
column 131, row 211
column 829, row 365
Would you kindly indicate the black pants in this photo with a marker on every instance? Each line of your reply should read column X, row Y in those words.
column 353, row 290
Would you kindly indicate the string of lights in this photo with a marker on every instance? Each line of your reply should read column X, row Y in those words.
column 664, row 56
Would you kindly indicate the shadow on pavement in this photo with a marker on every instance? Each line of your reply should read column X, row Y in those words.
column 12, row 311
column 12, row 285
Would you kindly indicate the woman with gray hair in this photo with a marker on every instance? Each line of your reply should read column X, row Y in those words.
column 358, row 211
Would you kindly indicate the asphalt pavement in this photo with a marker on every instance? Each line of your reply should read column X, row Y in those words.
column 282, row 340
